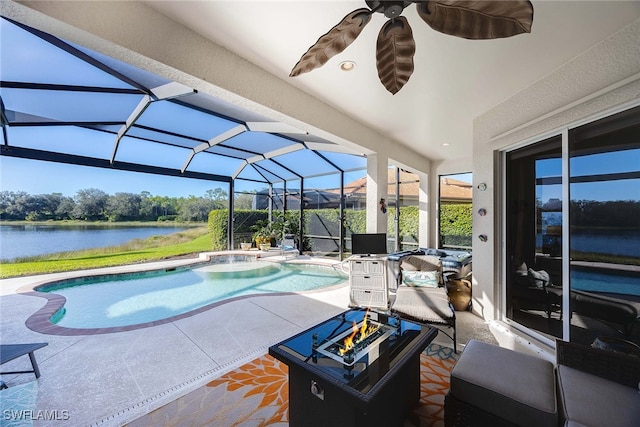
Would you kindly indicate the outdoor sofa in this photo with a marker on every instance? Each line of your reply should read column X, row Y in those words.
column 494, row 386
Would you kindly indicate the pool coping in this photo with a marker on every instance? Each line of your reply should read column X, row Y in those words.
column 40, row 320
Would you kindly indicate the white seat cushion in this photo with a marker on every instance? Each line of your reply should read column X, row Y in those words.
column 430, row 305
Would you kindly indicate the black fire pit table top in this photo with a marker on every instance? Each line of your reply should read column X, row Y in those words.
column 362, row 378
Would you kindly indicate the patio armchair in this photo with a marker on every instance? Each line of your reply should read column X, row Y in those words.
column 534, row 290
column 288, row 246
column 421, row 294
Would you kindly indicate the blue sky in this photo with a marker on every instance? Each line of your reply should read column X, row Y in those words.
column 601, row 163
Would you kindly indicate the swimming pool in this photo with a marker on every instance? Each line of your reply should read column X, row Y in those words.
column 139, row 298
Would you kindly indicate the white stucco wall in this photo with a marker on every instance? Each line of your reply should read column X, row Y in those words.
column 602, row 80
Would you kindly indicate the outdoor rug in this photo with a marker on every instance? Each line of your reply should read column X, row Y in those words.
column 257, row 394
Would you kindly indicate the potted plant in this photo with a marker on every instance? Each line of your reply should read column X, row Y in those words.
column 245, row 246
column 267, row 232
column 280, row 226
column 263, row 237
column 459, row 291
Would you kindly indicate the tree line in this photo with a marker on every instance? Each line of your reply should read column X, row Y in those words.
column 615, row 214
column 597, row 214
column 92, row 204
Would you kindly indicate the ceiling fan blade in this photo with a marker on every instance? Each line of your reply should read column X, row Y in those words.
column 394, row 54
column 478, row 19
column 333, row 42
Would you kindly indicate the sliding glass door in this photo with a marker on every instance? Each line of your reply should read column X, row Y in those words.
column 534, row 237
column 604, row 218
column 573, row 233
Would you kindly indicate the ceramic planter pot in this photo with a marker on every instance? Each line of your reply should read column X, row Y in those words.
column 459, row 291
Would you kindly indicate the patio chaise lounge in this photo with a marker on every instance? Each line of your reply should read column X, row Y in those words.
column 607, row 309
column 423, row 297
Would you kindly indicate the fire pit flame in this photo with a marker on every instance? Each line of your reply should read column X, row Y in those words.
column 358, row 335
column 349, row 346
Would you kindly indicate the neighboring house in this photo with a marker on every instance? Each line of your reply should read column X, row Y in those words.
column 455, row 191
column 312, row 199
column 356, row 191
column 451, row 190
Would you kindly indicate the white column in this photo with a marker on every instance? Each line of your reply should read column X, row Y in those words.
column 424, row 210
column 377, row 166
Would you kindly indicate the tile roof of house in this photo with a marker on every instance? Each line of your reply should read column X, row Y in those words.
column 451, row 189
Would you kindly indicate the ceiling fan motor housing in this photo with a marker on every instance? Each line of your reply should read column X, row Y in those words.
column 391, row 9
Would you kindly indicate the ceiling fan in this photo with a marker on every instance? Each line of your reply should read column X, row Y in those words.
column 395, row 47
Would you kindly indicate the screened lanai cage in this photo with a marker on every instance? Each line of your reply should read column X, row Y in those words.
column 64, row 103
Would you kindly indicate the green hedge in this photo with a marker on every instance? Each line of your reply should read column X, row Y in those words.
column 244, row 219
column 318, row 222
column 409, row 222
column 243, row 222
column 217, row 225
column 456, row 224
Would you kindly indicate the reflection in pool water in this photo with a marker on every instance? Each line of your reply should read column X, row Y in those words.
column 130, row 299
column 610, row 281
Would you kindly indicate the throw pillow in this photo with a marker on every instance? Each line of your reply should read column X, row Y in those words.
column 18, row 404
column 538, row 279
column 429, row 279
column 420, row 263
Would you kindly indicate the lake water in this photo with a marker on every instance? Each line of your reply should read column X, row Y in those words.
column 613, row 242
column 18, row 241
column 625, row 242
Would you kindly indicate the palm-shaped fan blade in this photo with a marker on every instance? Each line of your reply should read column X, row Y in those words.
column 333, row 42
column 394, row 54
column 478, row 19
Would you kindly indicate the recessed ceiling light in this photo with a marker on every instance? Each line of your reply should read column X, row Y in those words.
column 445, row 144
column 347, row 65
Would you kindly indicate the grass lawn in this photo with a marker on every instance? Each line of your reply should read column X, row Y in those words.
column 183, row 243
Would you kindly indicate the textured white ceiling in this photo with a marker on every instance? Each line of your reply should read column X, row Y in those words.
column 454, row 81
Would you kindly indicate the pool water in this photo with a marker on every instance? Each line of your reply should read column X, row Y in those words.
column 130, row 299
column 626, row 283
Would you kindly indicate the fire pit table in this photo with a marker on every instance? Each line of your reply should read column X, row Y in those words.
column 360, row 368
